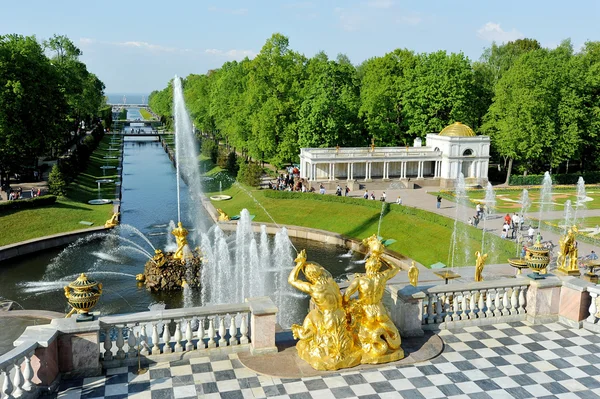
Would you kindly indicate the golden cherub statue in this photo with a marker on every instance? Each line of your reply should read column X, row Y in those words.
column 413, row 274
column 180, row 234
column 568, row 250
column 370, row 320
column 479, row 264
column 223, row 217
column 113, row 221
column 159, row 258
column 325, row 341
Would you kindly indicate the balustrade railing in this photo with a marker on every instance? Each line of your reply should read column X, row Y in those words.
column 16, row 372
column 593, row 319
column 492, row 300
column 175, row 330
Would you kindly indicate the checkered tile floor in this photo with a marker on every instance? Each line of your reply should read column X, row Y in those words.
column 515, row 360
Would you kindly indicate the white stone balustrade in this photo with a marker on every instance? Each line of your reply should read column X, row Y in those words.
column 16, row 373
column 592, row 322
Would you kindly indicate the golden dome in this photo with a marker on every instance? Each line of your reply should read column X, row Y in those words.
column 457, row 129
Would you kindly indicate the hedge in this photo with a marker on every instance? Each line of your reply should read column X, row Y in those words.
column 325, row 198
column 569, row 178
column 35, row 202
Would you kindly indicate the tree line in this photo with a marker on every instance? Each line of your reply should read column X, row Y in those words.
column 540, row 106
column 46, row 93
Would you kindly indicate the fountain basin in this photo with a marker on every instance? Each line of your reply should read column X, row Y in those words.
column 518, row 263
column 220, row 197
column 101, row 201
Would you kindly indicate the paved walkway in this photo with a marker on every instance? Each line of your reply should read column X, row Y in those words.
column 515, row 360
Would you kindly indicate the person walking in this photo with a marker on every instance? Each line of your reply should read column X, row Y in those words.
column 439, row 201
column 399, row 201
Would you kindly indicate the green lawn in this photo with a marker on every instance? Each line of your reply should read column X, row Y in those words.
column 66, row 214
column 422, row 236
column 145, row 114
column 509, row 200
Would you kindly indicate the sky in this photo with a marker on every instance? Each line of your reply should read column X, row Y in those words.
column 138, row 46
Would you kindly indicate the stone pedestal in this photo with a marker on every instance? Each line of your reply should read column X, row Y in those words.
column 574, row 302
column 78, row 348
column 405, row 304
column 263, row 320
column 543, row 299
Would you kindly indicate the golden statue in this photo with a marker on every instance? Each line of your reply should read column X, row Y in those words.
column 83, row 294
column 140, row 278
column 568, row 250
column 223, row 217
column 413, row 274
column 325, row 341
column 479, row 263
column 372, row 144
column 370, row 320
column 113, row 221
column 180, row 234
column 159, row 258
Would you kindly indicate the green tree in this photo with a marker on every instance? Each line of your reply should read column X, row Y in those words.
column 56, row 182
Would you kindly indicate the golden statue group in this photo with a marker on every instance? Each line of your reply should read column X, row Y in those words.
column 343, row 331
column 567, row 255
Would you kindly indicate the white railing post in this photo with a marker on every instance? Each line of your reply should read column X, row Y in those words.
column 166, row 337
column 28, row 372
column 593, row 309
column 480, row 304
column 498, row 302
column 522, row 302
column 472, row 313
column 505, row 303
column 211, row 333
column 131, row 341
column 200, row 334
column 178, row 337
column 120, row 343
column 222, row 332
column 18, row 380
column 155, row 338
column 244, row 330
column 430, row 308
column 232, row 331
column 107, row 345
column 465, row 306
column 143, row 341
column 489, row 311
column 189, row 345
column 514, row 300
column 455, row 312
column 7, row 386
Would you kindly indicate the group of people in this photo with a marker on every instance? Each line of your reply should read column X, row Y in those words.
column 288, row 182
column 371, row 196
column 18, row 193
column 513, row 224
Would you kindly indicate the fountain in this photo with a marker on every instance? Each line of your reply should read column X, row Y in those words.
column 460, row 235
column 580, row 203
column 546, row 204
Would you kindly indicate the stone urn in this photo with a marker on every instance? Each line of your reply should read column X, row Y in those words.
column 537, row 260
column 83, row 294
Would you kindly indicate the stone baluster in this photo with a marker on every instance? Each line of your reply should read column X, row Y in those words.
column 211, row 333
column 167, row 338
column 120, row 343
column 178, row 337
column 222, row 331
column 439, row 315
column 498, row 302
column 430, row 306
column 200, row 334
column 155, row 347
column 593, row 309
column 232, row 331
column 7, row 386
column 131, row 341
column 489, row 304
column 455, row 309
column 472, row 305
column 448, row 300
column 243, row 330
column 189, row 345
column 17, row 380
column 505, row 303
column 514, row 300
column 481, row 304
column 143, row 341
column 522, row 301
column 107, row 345
column 28, row 372
column 464, row 306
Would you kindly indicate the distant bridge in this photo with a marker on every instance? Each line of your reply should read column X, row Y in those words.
column 129, row 105
column 146, row 133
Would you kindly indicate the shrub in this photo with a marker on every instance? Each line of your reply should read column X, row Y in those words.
column 56, row 182
column 210, row 149
column 36, row 202
column 249, row 174
column 566, row 178
column 222, row 159
column 232, row 164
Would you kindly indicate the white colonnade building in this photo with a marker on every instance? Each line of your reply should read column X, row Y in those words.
column 439, row 162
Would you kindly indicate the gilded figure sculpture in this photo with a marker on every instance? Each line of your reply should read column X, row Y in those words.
column 113, row 221
column 325, row 341
column 223, row 217
column 566, row 261
column 370, row 321
column 413, row 274
column 180, row 234
column 479, row 264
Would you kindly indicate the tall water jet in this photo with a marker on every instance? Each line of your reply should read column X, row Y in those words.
column 580, row 203
column 568, row 217
column 490, row 205
column 459, row 248
column 546, row 204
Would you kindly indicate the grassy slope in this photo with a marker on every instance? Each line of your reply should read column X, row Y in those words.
column 146, row 115
column 68, row 211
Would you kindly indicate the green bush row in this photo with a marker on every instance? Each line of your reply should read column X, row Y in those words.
column 35, row 202
column 567, row 178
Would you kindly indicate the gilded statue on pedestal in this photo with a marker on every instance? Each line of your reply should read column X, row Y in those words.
column 370, row 320
column 325, row 341
column 413, row 274
column 566, row 261
column 159, row 258
column 479, row 263
column 180, row 234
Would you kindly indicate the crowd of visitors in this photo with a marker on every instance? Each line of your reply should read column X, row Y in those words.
column 17, row 194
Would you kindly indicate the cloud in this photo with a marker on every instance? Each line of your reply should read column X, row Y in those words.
column 86, row 40
column 151, row 47
column 492, row 32
column 350, row 20
column 380, row 3
column 233, row 11
column 233, row 54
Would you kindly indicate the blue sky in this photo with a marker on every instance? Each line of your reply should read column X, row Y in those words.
column 137, row 46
